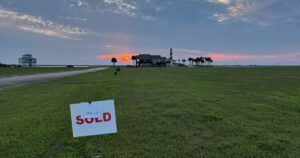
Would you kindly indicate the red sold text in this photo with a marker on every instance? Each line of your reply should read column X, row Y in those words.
column 105, row 118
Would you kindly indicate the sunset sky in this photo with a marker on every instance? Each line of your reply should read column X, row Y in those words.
column 92, row 31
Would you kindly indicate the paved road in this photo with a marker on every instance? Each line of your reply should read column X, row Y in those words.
column 22, row 80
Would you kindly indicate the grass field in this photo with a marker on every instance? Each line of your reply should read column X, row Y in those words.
column 14, row 71
column 161, row 112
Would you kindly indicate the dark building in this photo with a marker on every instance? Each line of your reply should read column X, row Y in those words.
column 145, row 60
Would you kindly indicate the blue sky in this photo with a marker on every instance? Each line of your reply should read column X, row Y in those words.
column 92, row 31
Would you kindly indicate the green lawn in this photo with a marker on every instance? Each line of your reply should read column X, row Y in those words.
column 14, row 71
column 161, row 112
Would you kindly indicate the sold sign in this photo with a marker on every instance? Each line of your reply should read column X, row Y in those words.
column 93, row 118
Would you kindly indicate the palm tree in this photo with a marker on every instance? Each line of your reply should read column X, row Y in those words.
column 190, row 60
column 202, row 60
column 114, row 61
column 133, row 58
column 196, row 60
column 183, row 61
column 207, row 60
column 210, row 60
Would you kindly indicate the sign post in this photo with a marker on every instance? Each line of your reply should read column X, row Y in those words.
column 93, row 118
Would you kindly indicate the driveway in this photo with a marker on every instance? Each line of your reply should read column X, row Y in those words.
column 22, row 80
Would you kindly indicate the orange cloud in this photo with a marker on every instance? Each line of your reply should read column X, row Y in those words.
column 223, row 56
column 248, row 57
column 123, row 57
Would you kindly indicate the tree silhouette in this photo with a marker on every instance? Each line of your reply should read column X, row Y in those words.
column 114, row 61
column 202, row 60
column 183, row 61
column 208, row 60
column 190, row 60
column 196, row 60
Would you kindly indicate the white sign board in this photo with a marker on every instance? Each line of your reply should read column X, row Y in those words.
column 93, row 119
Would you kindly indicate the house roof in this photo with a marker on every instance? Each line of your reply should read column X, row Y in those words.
column 148, row 56
column 27, row 55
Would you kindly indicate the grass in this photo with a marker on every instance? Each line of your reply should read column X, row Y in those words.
column 14, row 71
column 161, row 112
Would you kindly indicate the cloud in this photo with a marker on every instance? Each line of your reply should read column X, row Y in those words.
column 249, row 57
column 190, row 51
column 80, row 3
column 35, row 24
column 73, row 18
column 122, row 7
column 252, row 11
column 117, row 49
column 134, row 9
column 220, row 1
column 38, row 25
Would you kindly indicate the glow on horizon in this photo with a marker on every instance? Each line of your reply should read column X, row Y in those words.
column 122, row 57
column 250, row 57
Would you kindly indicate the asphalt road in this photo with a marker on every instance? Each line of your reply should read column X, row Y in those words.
column 28, row 79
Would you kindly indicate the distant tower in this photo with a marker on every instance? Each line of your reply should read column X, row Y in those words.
column 171, row 54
